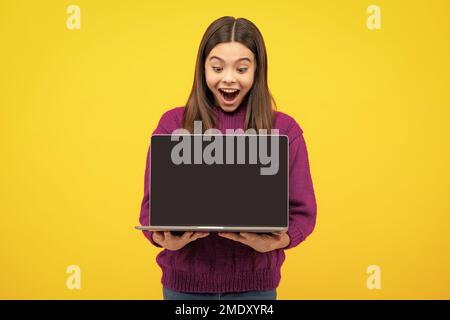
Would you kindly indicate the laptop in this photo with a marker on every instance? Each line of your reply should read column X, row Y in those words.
column 221, row 182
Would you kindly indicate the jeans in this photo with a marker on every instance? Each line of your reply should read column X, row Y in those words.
column 248, row 295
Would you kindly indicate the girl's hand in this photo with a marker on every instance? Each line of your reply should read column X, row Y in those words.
column 173, row 242
column 260, row 242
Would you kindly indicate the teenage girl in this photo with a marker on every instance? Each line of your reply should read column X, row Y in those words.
column 230, row 91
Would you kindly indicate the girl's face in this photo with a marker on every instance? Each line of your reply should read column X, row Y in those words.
column 229, row 70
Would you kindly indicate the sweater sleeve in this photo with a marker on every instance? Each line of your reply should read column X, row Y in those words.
column 302, row 201
column 164, row 127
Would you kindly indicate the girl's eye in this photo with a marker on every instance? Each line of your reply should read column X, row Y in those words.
column 219, row 69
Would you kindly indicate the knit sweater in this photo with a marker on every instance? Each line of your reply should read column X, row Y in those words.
column 215, row 264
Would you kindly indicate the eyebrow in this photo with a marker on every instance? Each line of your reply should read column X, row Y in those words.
column 243, row 58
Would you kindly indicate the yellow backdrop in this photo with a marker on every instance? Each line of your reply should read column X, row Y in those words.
column 78, row 107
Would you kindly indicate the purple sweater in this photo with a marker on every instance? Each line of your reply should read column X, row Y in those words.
column 214, row 264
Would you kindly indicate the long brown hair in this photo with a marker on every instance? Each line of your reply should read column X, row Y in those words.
column 260, row 103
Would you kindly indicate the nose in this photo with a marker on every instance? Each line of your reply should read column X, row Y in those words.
column 229, row 76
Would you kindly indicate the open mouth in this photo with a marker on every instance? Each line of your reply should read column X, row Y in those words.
column 229, row 95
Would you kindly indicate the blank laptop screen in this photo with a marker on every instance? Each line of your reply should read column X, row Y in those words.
column 225, row 193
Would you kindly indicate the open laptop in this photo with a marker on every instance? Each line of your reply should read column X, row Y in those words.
column 229, row 182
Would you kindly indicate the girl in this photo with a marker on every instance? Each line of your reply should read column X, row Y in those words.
column 230, row 91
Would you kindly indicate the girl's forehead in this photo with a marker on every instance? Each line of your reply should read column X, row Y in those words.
column 231, row 52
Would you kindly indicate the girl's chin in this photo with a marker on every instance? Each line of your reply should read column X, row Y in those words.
column 229, row 105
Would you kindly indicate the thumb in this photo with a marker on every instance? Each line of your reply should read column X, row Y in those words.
column 158, row 237
column 199, row 235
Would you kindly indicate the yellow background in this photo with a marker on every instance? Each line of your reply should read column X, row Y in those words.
column 78, row 108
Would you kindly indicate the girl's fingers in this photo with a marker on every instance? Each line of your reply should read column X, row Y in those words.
column 187, row 235
column 232, row 236
column 157, row 236
column 249, row 235
column 198, row 235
